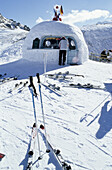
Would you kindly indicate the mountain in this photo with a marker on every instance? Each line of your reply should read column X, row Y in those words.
column 98, row 37
column 11, row 24
column 11, row 42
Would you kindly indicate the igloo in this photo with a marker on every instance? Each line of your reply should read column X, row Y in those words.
column 43, row 42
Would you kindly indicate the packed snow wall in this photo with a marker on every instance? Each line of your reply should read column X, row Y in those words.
column 43, row 40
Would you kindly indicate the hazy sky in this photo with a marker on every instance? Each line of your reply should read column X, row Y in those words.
column 78, row 12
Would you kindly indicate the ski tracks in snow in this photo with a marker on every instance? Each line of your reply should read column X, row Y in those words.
column 58, row 116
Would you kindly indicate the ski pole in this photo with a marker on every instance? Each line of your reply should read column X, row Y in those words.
column 42, row 110
column 33, row 93
column 45, row 64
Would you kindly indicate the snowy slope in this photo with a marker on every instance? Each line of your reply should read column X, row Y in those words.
column 98, row 37
column 11, row 44
column 78, row 123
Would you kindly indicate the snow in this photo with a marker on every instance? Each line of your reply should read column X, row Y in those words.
column 10, row 45
column 52, row 28
column 78, row 123
column 98, row 37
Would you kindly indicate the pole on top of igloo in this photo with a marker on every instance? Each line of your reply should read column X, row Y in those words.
column 58, row 10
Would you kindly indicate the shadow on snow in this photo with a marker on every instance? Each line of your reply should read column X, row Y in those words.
column 24, row 68
column 105, row 119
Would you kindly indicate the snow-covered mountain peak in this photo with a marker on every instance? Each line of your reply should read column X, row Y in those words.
column 11, row 24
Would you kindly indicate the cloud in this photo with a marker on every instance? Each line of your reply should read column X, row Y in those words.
column 76, row 16
column 110, row 16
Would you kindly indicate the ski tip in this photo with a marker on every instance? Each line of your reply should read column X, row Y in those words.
column 39, row 158
column 57, row 151
column 68, row 167
column 34, row 125
column 30, row 153
column 16, row 85
column 42, row 127
column 65, row 165
column 48, row 150
column 1, row 155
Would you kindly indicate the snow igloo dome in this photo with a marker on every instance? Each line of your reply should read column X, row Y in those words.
column 43, row 41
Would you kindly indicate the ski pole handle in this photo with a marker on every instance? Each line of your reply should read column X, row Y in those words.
column 32, row 85
column 38, row 77
column 31, row 81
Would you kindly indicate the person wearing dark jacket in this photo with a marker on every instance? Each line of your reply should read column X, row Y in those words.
column 103, row 54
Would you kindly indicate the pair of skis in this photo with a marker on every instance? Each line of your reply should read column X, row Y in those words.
column 5, row 80
column 35, row 95
column 61, row 75
column 52, row 89
column 31, row 151
column 53, row 86
column 56, row 153
column 19, row 86
column 87, row 86
column 63, row 165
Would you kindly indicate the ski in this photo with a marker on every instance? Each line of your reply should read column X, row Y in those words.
column 23, row 87
column 42, row 108
column 62, row 75
column 3, row 75
column 8, row 78
column 34, row 94
column 32, row 147
column 53, row 86
column 17, row 85
column 59, row 76
column 51, row 89
column 56, row 152
column 5, row 80
column 87, row 86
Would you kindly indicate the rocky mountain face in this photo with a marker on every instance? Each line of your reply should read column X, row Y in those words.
column 11, row 24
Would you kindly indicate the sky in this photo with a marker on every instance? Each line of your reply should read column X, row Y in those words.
column 77, row 12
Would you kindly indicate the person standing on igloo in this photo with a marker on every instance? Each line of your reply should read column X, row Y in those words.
column 63, row 45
